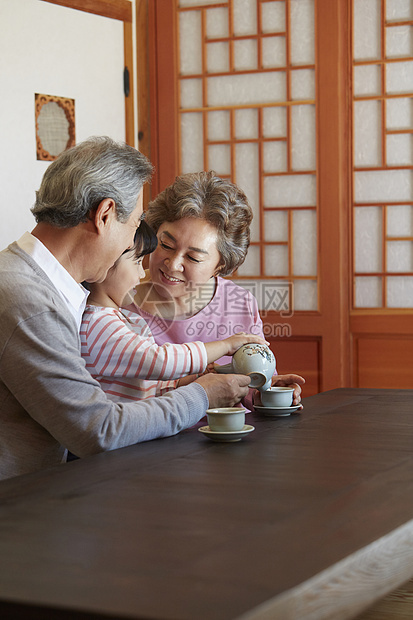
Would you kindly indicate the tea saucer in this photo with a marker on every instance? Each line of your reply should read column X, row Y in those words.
column 276, row 411
column 226, row 435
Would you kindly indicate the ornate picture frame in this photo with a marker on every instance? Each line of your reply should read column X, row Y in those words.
column 55, row 125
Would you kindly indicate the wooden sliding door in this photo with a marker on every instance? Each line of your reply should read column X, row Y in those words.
column 381, row 317
column 273, row 94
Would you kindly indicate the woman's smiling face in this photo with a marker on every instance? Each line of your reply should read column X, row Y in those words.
column 186, row 257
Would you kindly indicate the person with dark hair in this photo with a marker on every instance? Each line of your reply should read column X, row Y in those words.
column 118, row 347
column 87, row 210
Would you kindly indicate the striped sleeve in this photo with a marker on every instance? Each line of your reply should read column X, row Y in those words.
column 114, row 345
column 133, row 388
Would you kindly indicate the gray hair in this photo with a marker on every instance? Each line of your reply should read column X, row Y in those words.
column 81, row 177
column 222, row 204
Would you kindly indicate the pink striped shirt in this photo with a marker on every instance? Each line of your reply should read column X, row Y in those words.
column 122, row 355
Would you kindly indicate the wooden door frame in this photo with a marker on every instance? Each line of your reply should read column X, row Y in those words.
column 122, row 11
column 334, row 185
column 156, row 116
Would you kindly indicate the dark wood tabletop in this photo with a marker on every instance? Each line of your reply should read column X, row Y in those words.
column 309, row 516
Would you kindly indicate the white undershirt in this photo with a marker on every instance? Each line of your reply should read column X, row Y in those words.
column 74, row 294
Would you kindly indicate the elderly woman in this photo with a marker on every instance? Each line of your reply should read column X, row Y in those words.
column 203, row 226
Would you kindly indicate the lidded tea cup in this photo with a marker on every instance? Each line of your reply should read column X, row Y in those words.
column 226, row 419
column 277, row 396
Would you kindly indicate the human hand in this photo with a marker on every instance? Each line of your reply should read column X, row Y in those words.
column 295, row 381
column 186, row 380
column 224, row 390
column 238, row 340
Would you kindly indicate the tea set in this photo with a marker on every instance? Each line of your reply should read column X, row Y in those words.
column 258, row 362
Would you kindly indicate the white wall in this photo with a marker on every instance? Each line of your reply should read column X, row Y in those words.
column 53, row 50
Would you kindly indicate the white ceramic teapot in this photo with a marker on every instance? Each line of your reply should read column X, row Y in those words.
column 255, row 360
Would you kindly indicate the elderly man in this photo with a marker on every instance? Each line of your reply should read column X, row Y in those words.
column 87, row 211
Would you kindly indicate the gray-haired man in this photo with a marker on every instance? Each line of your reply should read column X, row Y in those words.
column 87, row 210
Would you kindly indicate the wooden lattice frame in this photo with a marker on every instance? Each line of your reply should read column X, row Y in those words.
column 288, row 104
column 382, row 99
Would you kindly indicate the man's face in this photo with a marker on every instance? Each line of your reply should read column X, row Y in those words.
column 118, row 237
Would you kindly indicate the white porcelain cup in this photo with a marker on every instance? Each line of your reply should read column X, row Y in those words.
column 226, row 419
column 277, row 397
column 255, row 360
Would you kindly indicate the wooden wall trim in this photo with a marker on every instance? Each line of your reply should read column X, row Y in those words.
column 142, row 78
column 143, row 87
column 153, row 93
column 115, row 9
column 130, row 99
column 163, row 111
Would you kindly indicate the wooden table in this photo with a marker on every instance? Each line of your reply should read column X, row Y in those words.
column 310, row 516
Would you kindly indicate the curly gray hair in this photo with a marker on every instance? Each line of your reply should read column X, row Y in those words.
column 222, row 204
